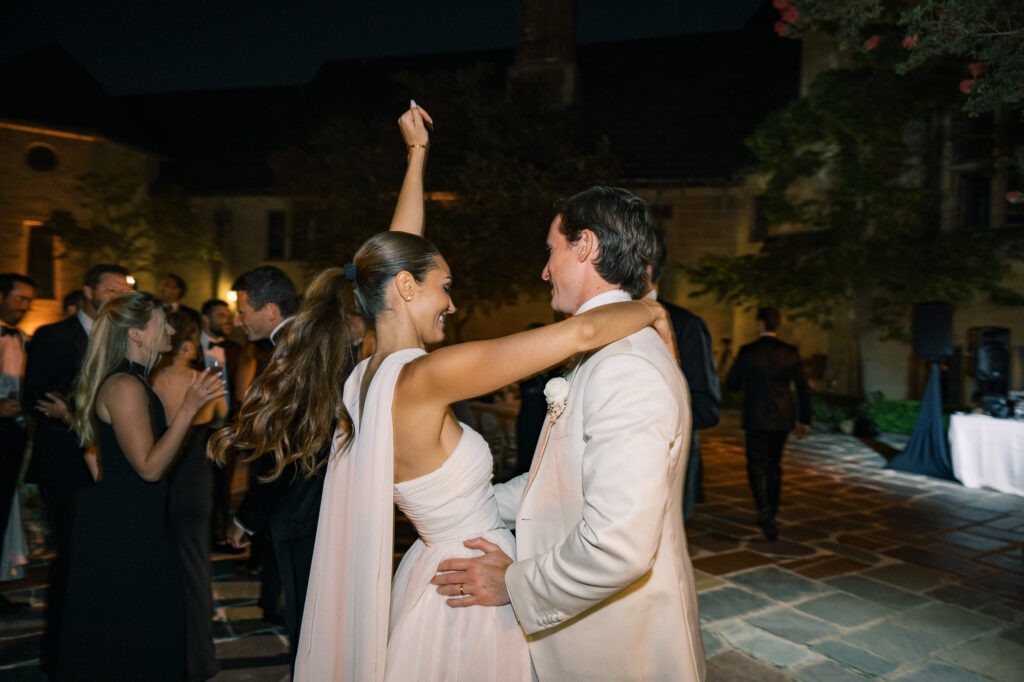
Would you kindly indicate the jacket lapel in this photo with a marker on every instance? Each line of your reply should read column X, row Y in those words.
column 545, row 436
column 79, row 337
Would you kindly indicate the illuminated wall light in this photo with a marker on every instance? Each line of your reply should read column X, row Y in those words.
column 232, row 296
column 131, row 281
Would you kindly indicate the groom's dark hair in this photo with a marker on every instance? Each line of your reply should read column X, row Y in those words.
column 624, row 230
column 267, row 284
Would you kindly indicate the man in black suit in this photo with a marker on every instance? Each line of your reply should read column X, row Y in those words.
column 697, row 362
column 16, row 294
column 764, row 370
column 57, row 464
column 288, row 507
column 170, row 292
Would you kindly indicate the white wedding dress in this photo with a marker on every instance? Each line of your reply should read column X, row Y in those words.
column 355, row 626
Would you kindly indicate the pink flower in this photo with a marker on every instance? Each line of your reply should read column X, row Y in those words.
column 977, row 68
column 780, row 28
column 871, row 43
column 791, row 14
column 1015, row 197
column 967, row 86
column 909, row 42
column 780, row 4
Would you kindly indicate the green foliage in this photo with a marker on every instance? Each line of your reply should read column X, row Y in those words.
column 829, row 408
column 852, row 173
column 951, row 34
column 891, row 416
column 128, row 225
column 498, row 156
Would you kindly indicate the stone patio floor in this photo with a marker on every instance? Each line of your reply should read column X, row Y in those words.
column 876, row 575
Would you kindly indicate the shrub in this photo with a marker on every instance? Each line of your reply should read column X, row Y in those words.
column 830, row 408
column 893, row 416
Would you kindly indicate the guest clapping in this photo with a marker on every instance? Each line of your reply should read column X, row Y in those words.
column 123, row 614
column 190, row 503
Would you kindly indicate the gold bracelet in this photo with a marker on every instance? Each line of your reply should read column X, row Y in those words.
column 418, row 146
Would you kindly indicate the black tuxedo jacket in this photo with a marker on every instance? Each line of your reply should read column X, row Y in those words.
column 54, row 357
column 288, row 507
column 697, row 361
column 764, row 371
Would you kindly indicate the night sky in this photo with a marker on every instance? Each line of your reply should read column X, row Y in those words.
column 148, row 46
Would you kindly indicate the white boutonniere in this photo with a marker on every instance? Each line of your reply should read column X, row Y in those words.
column 556, row 392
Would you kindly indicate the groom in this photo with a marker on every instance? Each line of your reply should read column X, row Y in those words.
column 603, row 587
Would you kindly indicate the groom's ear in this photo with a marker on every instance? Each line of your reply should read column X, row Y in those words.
column 586, row 246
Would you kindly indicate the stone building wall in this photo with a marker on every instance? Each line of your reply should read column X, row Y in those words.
column 39, row 171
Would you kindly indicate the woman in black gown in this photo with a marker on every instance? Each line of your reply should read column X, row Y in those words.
column 123, row 616
column 190, row 493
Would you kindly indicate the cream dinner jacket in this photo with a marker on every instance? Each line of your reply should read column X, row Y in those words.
column 603, row 586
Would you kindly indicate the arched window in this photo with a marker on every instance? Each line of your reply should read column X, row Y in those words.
column 41, row 157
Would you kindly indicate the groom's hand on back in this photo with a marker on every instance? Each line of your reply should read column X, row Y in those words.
column 481, row 578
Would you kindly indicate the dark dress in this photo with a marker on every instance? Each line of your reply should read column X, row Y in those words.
column 189, row 510
column 123, row 617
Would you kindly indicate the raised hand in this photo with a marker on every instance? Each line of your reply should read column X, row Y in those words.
column 206, row 386
column 414, row 125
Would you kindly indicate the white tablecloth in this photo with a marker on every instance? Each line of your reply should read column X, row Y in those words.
column 988, row 452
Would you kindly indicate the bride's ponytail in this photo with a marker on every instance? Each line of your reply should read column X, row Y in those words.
column 383, row 256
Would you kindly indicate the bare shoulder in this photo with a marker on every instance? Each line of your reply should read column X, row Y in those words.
column 120, row 393
column 122, row 386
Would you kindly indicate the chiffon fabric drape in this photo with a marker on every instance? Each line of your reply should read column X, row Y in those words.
column 14, row 555
column 344, row 631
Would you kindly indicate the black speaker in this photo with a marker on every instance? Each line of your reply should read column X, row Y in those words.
column 953, row 378
column 990, row 358
column 933, row 330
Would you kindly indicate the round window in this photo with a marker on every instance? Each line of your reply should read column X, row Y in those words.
column 41, row 158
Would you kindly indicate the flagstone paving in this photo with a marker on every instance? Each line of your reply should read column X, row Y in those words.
column 876, row 575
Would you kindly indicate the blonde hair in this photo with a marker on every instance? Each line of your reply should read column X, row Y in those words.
column 294, row 408
column 108, row 349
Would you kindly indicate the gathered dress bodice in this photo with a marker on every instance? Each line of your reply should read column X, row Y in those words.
column 455, row 501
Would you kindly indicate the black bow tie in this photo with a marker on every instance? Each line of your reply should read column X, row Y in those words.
column 5, row 330
column 216, row 344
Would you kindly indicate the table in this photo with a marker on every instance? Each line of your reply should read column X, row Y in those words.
column 988, row 452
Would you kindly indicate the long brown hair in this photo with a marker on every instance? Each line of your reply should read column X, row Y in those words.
column 291, row 410
column 185, row 329
column 107, row 350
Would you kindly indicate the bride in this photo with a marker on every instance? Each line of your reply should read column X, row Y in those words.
column 398, row 441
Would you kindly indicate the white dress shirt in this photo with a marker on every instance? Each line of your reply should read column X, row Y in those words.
column 604, row 298
column 86, row 321
column 12, row 362
column 278, row 327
